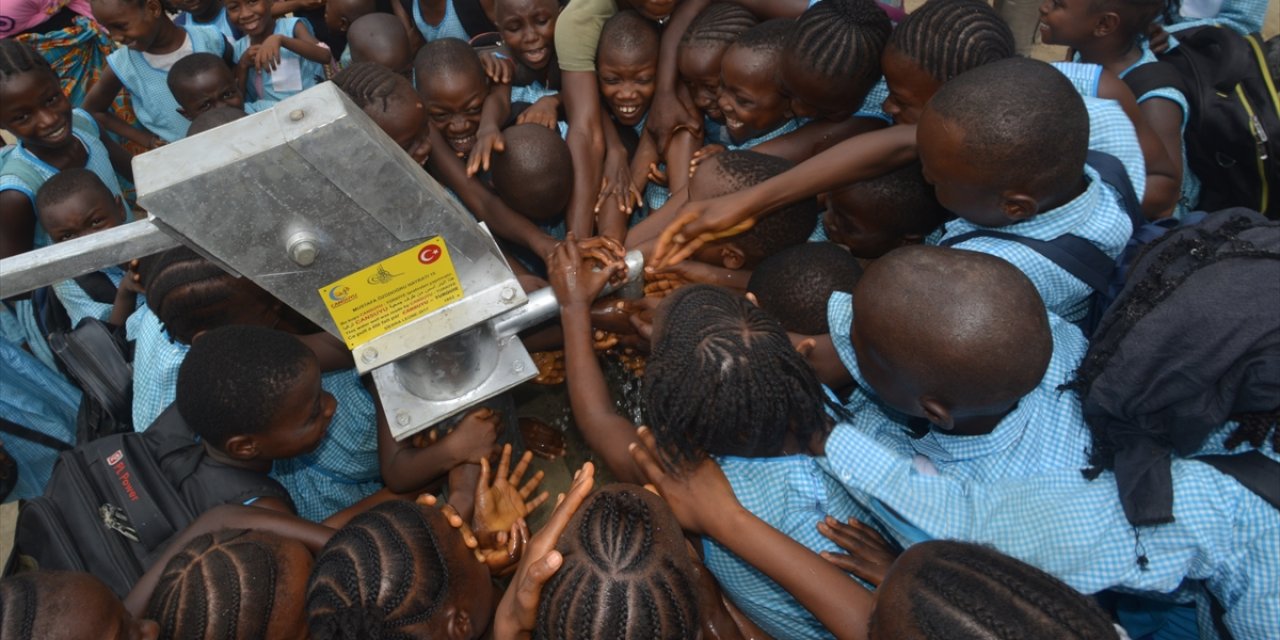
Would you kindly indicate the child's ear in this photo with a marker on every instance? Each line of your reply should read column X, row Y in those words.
column 155, row 8
column 732, row 257
column 1018, row 206
column 1106, row 24
column 243, row 447
column 458, row 623
column 937, row 413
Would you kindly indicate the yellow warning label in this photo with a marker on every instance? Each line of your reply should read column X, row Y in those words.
column 393, row 292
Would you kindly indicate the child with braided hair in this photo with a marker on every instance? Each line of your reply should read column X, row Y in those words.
column 390, row 100
column 701, row 49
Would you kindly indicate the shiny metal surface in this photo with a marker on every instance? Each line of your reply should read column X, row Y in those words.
column 34, row 269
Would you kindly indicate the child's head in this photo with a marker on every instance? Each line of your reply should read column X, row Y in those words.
column 723, row 379
column 380, row 38
column 453, row 87
column 626, row 573
column 936, row 588
column 398, row 570
column 201, row 10
column 703, row 46
column 65, row 605
column 534, row 176
column 339, row 15
column 131, row 23
column 252, row 16
column 750, row 96
column 832, row 59
column 202, row 81
column 254, row 393
column 627, row 65
column 233, row 583
column 213, row 118
column 873, row 217
column 390, row 100
column 953, row 336
column 190, row 295
column 1079, row 23
column 794, row 284
column 733, row 171
column 1004, row 141
column 528, row 29
column 935, row 43
column 75, row 203
column 32, row 105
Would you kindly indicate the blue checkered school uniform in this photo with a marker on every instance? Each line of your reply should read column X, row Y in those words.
column 38, row 398
column 344, row 468
column 791, row 124
column 1046, row 430
column 293, row 74
column 80, row 305
column 1243, row 16
column 531, row 93
column 156, row 359
column 1190, row 195
column 220, row 23
column 1083, row 75
column 450, row 25
column 873, row 105
column 655, row 195
column 1075, row 529
column 85, row 129
column 149, row 88
column 792, row 494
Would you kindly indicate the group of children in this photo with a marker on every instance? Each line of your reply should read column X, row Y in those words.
column 884, row 397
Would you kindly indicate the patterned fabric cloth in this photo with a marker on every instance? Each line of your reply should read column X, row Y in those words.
column 78, row 303
column 294, row 73
column 35, row 397
column 1076, row 529
column 156, row 107
column 19, row 328
column 85, row 129
column 21, row 15
column 792, row 494
column 156, row 358
column 450, row 26
column 1244, row 16
column 872, row 105
column 530, row 93
column 1083, row 75
column 345, row 468
column 791, row 124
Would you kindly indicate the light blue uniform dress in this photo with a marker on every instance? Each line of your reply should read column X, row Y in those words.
column 294, row 73
column 35, row 397
column 220, row 23
column 153, row 102
column 450, row 25
column 1190, row 183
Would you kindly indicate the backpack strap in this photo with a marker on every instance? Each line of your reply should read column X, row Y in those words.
column 1073, row 254
column 1255, row 471
column 1112, row 172
column 1154, row 75
column 31, row 435
column 98, row 287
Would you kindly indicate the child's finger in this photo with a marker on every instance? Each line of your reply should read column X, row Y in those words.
column 532, row 485
column 843, row 561
column 482, row 482
column 531, row 505
column 504, row 464
column 522, row 465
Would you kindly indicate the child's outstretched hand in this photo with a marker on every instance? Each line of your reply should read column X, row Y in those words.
column 542, row 111
column 268, row 57
column 500, row 503
column 575, row 282
column 699, row 497
column 701, row 155
column 488, row 142
column 132, row 282
column 869, row 554
column 518, row 610
column 499, row 551
column 498, row 66
column 475, row 436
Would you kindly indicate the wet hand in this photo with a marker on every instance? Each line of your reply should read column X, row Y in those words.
column 575, row 282
column 500, row 503
column 699, row 222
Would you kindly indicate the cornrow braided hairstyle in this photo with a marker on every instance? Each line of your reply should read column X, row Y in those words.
column 960, row 591
column 368, row 83
column 625, row 573
column 383, row 576
column 723, row 379
column 17, row 57
column 718, row 26
column 1193, row 292
column 948, row 37
column 222, row 585
column 181, row 287
column 733, row 171
column 841, row 40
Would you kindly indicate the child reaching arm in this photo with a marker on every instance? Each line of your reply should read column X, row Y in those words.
column 268, row 74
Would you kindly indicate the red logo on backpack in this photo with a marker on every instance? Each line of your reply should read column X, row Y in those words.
column 114, row 458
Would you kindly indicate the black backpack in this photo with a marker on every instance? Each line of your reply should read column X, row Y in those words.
column 1233, row 128
column 113, row 503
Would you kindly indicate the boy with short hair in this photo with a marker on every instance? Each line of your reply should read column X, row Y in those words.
column 202, row 81
column 379, row 38
column 873, row 217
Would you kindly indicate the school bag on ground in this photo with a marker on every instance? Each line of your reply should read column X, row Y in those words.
column 1233, row 128
column 113, row 503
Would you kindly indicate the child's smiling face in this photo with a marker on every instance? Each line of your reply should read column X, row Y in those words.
column 700, row 70
column 252, row 16
column 128, row 24
column 528, row 29
column 454, row 102
column 1067, row 22
column 749, row 95
column 627, row 82
column 35, row 110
